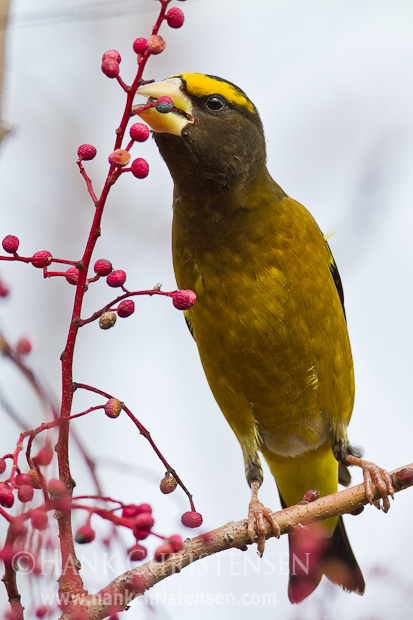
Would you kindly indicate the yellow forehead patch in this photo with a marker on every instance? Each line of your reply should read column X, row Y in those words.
column 200, row 85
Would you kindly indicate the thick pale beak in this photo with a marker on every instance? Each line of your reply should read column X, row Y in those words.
column 172, row 122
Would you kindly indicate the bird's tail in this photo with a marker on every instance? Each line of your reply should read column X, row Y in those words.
column 313, row 555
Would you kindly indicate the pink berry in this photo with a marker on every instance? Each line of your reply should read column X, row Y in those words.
column 39, row 519
column 113, row 408
column 116, row 278
column 6, row 497
column 139, row 132
column 44, row 456
column 144, row 521
column 85, row 535
column 86, row 152
column 72, row 275
column 103, row 267
column 56, row 488
column 25, row 493
column 182, row 300
column 41, row 259
column 140, row 168
column 130, row 511
column 164, row 104
column 191, row 519
column 176, row 543
column 23, row 346
column 139, row 45
column 137, row 553
column 2, row 466
column 163, row 552
column 110, row 67
column 311, row 495
column 23, row 479
column 126, row 308
column 140, row 534
column 175, row 17
column 10, row 244
column 4, row 289
column 155, row 44
column 43, row 611
column 144, row 508
column 112, row 54
column 119, row 158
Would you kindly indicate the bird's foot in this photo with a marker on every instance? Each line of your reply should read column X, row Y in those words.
column 373, row 473
column 257, row 512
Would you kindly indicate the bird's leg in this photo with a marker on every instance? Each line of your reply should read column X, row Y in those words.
column 256, row 513
column 373, row 473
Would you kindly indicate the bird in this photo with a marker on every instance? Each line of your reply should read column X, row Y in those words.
column 269, row 319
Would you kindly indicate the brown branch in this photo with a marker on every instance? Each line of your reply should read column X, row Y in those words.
column 122, row 590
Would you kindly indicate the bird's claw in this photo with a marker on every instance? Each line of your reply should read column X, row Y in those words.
column 380, row 477
column 257, row 512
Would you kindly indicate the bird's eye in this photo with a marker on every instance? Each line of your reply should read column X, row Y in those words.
column 215, row 103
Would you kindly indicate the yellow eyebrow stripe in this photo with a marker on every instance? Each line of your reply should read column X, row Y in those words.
column 200, row 85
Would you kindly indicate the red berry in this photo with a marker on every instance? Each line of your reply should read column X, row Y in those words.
column 140, row 168
column 42, row 612
column 23, row 479
column 182, row 300
column 72, row 275
column 140, row 534
column 139, row 45
column 10, row 244
column 163, row 552
column 176, row 543
column 103, row 267
column 137, row 553
column 2, row 466
column 144, row 508
column 4, row 289
column 139, row 132
column 6, row 497
column 155, row 44
column 39, row 519
column 144, row 521
column 126, row 308
column 86, row 152
column 119, row 158
column 110, row 67
column 25, row 493
column 168, row 484
column 85, row 535
column 116, row 278
column 56, row 488
column 113, row 408
column 311, row 495
column 175, row 17
column 191, row 519
column 112, row 54
column 130, row 511
column 41, row 259
column 164, row 105
column 44, row 456
column 23, row 346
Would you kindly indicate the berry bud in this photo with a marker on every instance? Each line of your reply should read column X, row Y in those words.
column 39, row 519
column 114, row 54
column 72, row 275
column 23, row 479
column 311, row 495
column 182, row 300
column 168, row 484
column 86, row 152
column 137, row 553
column 85, row 535
column 130, row 511
column 4, row 289
column 113, row 408
column 126, row 308
column 140, row 168
column 163, row 552
column 116, row 278
column 107, row 320
column 2, row 466
column 41, row 259
column 10, row 244
column 405, row 476
column 23, row 346
column 25, row 493
column 175, row 17
column 6, row 497
column 56, row 488
column 191, row 519
column 139, row 45
column 164, row 105
column 110, row 67
column 139, row 132
column 43, row 611
column 155, row 44
column 44, row 456
column 176, row 543
column 144, row 521
column 119, row 158
column 103, row 267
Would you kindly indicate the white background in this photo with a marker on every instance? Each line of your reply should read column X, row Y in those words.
column 332, row 81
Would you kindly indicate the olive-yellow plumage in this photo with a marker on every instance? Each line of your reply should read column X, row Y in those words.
column 269, row 321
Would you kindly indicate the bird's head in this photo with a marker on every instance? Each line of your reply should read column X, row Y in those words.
column 212, row 139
